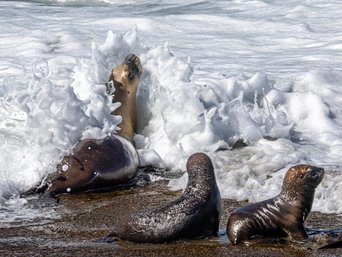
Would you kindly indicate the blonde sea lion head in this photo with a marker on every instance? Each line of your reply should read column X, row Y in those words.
column 126, row 76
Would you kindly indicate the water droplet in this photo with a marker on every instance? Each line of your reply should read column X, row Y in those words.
column 65, row 167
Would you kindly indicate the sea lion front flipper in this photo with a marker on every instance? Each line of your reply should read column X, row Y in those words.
column 297, row 231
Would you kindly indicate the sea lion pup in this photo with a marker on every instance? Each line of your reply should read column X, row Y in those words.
column 195, row 213
column 101, row 164
column 281, row 216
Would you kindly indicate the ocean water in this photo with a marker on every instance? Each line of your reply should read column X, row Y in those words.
column 266, row 73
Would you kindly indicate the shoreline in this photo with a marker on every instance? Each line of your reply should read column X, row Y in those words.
column 83, row 221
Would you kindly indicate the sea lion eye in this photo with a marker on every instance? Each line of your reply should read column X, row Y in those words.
column 130, row 74
column 301, row 175
column 80, row 163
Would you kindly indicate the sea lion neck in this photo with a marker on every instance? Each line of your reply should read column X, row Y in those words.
column 300, row 183
column 302, row 196
column 128, row 112
column 294, row 192
column 126, row 77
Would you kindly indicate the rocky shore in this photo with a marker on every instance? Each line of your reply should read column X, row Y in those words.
column 81, row 223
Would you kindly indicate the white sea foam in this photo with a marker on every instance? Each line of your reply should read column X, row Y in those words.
column 265, row 73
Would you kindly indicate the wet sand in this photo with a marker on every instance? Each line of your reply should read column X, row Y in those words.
column 84, row 220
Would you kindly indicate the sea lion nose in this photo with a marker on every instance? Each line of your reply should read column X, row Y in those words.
column 134, row 65
column 129, row 57
column 321, row 171
column 316, row 171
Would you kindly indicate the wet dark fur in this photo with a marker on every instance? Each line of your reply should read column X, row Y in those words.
column 281, row 216
column 195, row 213
column 94, row 164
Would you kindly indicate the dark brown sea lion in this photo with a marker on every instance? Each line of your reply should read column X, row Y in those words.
column 96, row 165
column 195, row 213
column 281, row 216
column 101, row 164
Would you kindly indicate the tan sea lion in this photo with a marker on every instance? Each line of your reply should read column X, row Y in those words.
column 99, row 164
column 281, row 216
column 195, row 213
column 126, row 79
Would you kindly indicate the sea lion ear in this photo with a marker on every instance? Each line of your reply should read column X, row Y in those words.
column 130, row 74
column 308, row 170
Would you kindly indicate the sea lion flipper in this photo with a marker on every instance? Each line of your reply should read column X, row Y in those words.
column 297, row 231
column 239, row 227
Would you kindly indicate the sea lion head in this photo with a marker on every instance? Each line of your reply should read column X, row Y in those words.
column 199, row 160
column 127, row 74
column 199, row 163
column 201, row 177
column 303, row 175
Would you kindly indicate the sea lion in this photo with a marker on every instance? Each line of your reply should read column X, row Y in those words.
column 195, row 213
column 98, row 164
column 283, row 215
column 126, row 79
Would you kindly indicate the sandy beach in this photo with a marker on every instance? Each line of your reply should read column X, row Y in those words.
column 84, row 221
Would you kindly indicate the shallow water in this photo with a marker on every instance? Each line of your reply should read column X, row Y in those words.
column 266, row 73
